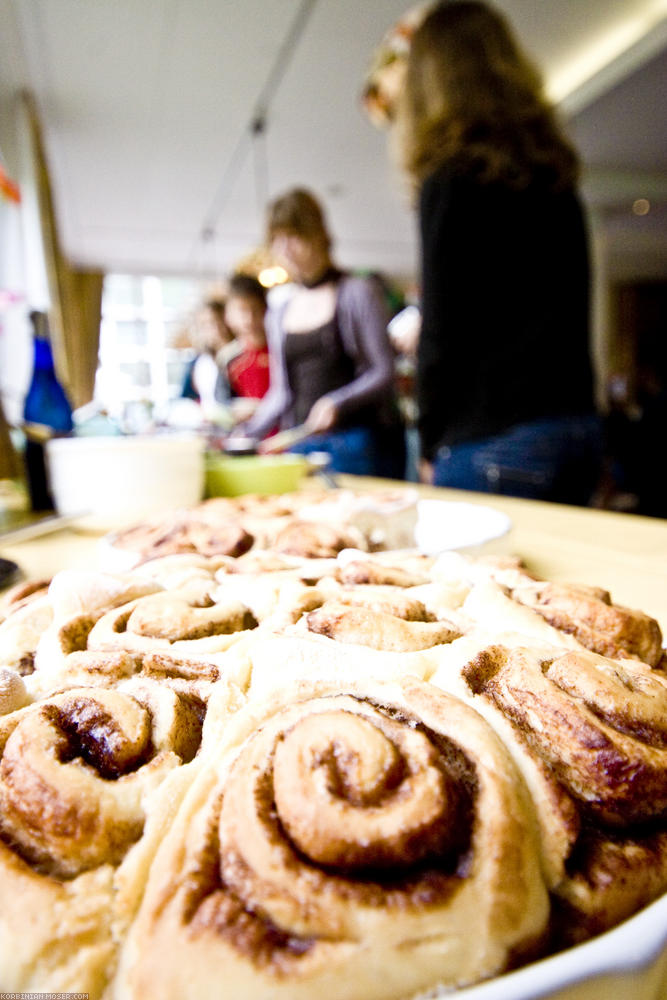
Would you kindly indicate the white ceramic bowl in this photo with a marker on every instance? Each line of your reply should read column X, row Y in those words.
column 113, row 479
column 627, row 963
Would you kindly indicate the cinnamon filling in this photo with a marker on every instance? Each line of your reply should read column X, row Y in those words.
column 427, row 876
column 74, row 634
column 91, row 734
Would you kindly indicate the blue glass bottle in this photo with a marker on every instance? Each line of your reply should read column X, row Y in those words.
column 46, row 409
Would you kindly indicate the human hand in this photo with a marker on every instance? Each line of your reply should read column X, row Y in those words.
column 270, row 446
column 425, row 471
column 322, row 416
column 404, row 330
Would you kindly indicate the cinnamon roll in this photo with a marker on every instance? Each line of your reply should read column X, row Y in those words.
column 181, row 532
column 600, row 725
column 366, row 571
column 274, row 661
column 344, row 845
column 589, row 614
column 59, row 619
column 13, row 693
column 385, row 598
column 21, row 632
column 367, row 626
column 21, row 594
column 316, row 540
column 74, row 773
column 590, row 737
column 174, row 621
column 80, row 775
column 97, row 638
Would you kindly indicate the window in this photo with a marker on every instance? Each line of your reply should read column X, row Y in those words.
column 143, row 351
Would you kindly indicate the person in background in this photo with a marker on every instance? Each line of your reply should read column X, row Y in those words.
column 205, row 378
column 245, row 311
column 332, row 365
column 504, row 379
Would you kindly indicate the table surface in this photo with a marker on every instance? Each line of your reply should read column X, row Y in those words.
column 625, row 553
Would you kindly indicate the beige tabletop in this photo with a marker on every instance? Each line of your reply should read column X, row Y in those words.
column 624, row 553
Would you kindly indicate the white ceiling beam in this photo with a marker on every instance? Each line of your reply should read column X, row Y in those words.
column 615, row 56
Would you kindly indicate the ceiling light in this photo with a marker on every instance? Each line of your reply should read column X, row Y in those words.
column 641, row 206
column 271, row 276
column 621, row 47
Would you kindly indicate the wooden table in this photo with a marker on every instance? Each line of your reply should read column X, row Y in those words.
column 624, row 553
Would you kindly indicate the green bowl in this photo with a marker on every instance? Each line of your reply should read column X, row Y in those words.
column 234, row 475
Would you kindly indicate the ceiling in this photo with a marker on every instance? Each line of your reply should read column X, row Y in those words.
column 168, row 123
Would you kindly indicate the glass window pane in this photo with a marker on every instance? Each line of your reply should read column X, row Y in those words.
column 131, row 333
column 139, row 372
column 180, row 293
column 145, row 337
column 123, row 290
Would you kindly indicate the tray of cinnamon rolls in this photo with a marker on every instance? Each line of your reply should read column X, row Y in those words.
column 280, row 753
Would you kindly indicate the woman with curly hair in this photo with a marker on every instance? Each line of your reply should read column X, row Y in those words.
column 504, row 377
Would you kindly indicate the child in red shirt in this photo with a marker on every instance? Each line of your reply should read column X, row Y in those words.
column 245, row 309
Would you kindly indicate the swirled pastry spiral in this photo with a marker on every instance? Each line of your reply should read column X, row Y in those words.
column 590, row 615
column 74, row 772
column 179, row 622
column 378, row 629
column 56, row 618
column 344, row 846
column 317, row 540
column 103, row 629
column 600, row 725
column 590, row 736
column 80, row 774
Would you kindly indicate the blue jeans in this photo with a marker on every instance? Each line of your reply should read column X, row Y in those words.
column 361, row 451
column 557, row 459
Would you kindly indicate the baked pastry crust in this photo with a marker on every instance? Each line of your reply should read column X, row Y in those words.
column 555, row 690
column 588, row 734
column 80, row 774
column 288, row 888
column 308, row 523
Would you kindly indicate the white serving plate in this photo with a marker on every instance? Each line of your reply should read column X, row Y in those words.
column 447, row 524
column 626, row 963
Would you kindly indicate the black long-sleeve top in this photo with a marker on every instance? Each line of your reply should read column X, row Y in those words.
column 505, row 308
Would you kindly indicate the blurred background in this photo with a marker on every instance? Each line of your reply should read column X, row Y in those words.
column 158, row 129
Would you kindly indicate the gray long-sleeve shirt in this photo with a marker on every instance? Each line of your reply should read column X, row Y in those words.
column 362, row 321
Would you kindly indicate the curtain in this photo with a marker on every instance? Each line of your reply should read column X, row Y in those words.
column 11, row 466
column 75, row 294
